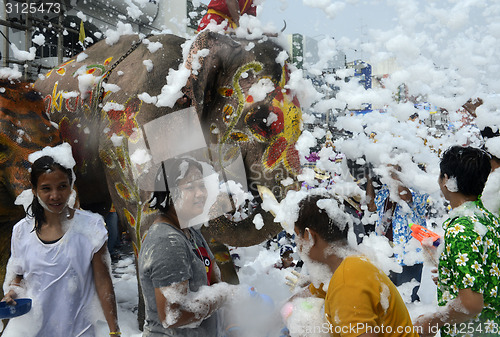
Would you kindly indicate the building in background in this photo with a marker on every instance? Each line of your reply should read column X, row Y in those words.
column 70, row 25
column 304, row 54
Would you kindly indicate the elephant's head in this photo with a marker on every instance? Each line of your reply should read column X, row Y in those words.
column 239, row 89
column 261, row 125
column 24, row 129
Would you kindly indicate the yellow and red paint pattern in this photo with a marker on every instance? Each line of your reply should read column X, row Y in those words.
column 284, row 131
column 286, row 128
column 90, row 69
column 117, row 161
column 124, row 122
column 60, row 70
column 121, row 122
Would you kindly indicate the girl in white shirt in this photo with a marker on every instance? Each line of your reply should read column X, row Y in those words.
column 59, row 259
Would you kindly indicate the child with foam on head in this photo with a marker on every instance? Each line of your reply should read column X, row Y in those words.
column 59, row 257
column 360, row 300
column 286, row 258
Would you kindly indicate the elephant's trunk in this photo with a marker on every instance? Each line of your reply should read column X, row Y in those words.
column 242, row 233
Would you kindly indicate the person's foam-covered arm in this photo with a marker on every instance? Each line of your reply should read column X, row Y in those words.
column 13, row 283
column 460, row 265
column 461, row 309
column 405, row 193
column 178, row 307
column 12, row 289
column 104, row 287
column 370, row 194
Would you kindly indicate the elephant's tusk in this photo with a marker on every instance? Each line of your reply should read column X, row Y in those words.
column 266, row 192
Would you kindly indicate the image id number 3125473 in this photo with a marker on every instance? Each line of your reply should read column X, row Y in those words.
column 32, row 8
column 471, row 328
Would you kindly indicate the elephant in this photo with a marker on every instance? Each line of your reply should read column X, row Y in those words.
column 221, row 72
column 24, row 128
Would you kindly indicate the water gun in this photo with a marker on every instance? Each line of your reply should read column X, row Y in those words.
column 420, row 233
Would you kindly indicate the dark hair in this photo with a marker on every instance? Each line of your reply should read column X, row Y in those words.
column 286, row 249
column 313, row 217
column 40, row 166
column 488, row 133
column 469, row 166
column 170, row 170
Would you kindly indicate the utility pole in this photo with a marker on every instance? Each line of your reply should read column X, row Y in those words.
column 27, row 39
column 60, row 36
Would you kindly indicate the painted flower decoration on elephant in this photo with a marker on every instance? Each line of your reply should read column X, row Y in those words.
column 281, row 128
column 61, row 70
column 124, row 122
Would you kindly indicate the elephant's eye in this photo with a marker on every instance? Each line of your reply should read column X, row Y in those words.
column 264, row 122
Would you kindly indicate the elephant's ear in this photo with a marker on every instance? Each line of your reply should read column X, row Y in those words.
column 209, row 57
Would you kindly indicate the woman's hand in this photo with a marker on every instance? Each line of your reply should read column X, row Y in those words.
column 9, row 297
column 15, row 288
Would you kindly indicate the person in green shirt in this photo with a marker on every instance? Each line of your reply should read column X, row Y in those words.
column 469, row 266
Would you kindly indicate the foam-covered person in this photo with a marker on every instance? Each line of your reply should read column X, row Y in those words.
column 59, row 257
column 177, row 270
column 360, row 299
column 286, row 258
column 396, row 211
column 468, row 272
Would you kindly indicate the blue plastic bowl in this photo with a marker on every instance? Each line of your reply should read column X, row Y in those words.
column 9, row 311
